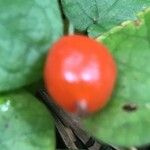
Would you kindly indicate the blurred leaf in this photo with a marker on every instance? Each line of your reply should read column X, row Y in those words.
column 27, row 30
column 125, row 121
column 32, row 88
column 25, row 124
column 97, row 16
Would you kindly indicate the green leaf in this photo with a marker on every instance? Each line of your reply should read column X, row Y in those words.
column 25, row 124
column 125, row 121
column 27, row 30
column 97, row 16
column 32, row 88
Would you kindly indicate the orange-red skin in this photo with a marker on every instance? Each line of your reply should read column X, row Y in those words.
column 79, row 69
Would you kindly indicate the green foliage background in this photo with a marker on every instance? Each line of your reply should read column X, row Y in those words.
column 29, row 28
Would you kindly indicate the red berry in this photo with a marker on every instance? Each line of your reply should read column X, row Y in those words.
column 80, row 71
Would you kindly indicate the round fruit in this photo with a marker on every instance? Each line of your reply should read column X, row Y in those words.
column 79, row 73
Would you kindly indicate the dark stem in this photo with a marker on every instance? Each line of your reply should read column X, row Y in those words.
column 69, row 128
